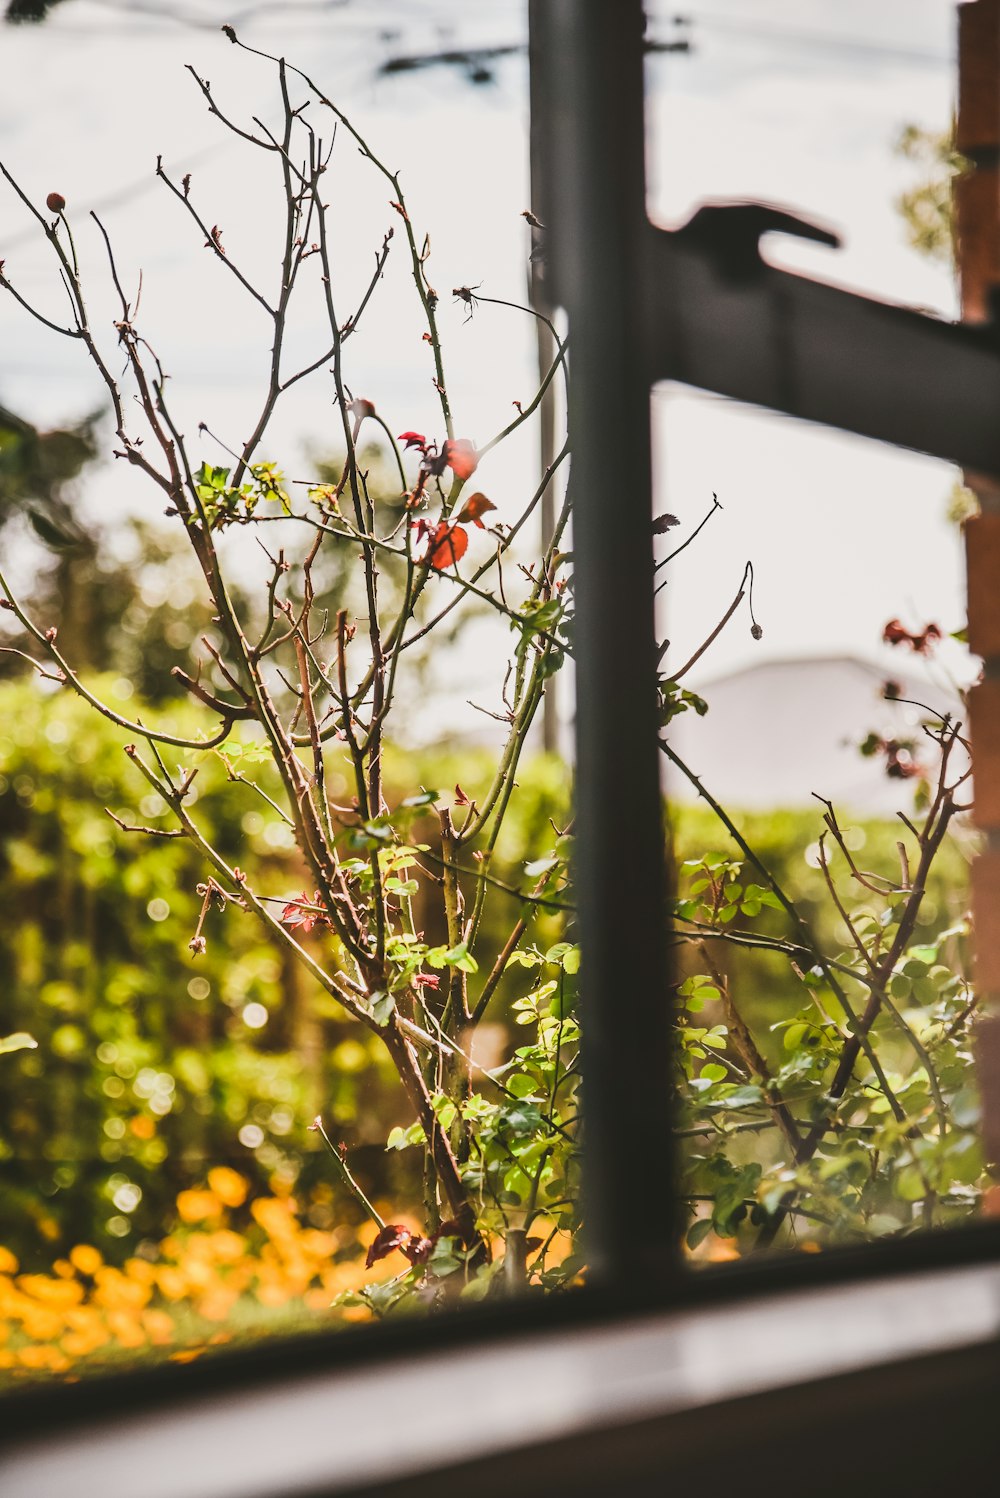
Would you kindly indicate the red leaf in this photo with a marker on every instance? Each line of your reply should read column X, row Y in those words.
column 461, row 799
column 900, row 763
column 419, row 1249
column 304, row 912
column 896, row 633
column 461, row 457
column 477, row 504
column 394, row 1235
column 924, row 642
column 447, row 545
column 412, row 439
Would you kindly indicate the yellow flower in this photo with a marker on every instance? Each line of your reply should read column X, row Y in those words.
column 275, row 1217
column 55, row 1293
column 158, row 1326
column 126, row 1329
column 228, row 1185
column 8, row 1263
column 140, row 1270
column 41, row 1324
column 82, row 1343
column 49, row 1359
column 226, row 1246
column 84, row 1258
column 172, row 1282
column 217, row 1304
column 116, row 1291
column 196, row 1206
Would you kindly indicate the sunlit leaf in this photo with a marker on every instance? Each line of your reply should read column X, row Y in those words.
column 447, row 545
column 475, row 506
column 19, row 1041
column 461, row 457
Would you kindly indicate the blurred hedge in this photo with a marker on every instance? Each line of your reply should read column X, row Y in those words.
column 153, row 1066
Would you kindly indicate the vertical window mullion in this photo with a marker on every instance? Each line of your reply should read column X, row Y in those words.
column 588, row 154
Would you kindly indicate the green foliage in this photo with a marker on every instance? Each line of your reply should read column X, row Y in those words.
column 774, row 1129
column 37, row 470
column 927, row 208
column 223, row 505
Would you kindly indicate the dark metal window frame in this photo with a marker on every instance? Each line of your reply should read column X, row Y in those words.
column 702, row 307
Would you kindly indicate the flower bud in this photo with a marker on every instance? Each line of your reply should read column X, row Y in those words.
column 55, row 202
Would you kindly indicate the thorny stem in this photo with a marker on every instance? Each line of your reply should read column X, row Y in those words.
column 800, row 924
column 747, row 1049
column 345, row 1174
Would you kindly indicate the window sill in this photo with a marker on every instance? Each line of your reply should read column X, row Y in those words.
column 421, row 1412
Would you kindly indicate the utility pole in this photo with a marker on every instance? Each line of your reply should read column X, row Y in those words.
column 679, row 43
column 545, row 348
column 977, row 223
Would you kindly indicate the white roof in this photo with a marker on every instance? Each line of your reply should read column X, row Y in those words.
column 777, row 732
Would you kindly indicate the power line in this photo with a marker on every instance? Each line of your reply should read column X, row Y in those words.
column 788, row 36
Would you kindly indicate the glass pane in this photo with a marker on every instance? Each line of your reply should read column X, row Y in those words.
column 289, row 1002
column 818, row 764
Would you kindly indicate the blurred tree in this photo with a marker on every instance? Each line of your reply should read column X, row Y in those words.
column 927, row 208
column 29, row 10
column 36, row 471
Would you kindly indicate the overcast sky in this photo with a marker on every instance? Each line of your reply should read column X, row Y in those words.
column 793, row 101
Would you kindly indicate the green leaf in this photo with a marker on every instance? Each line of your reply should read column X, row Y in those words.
column 522, row 957
column 908, row 1185
column 743, row 1097
column 523, row 1118
column 965, row 1108
column 563, row 953
column 698, row 1231
column 382, row 1007
column 425, row 798
column 458, row 957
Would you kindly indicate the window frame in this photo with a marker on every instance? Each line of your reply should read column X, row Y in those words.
column 605, row 268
